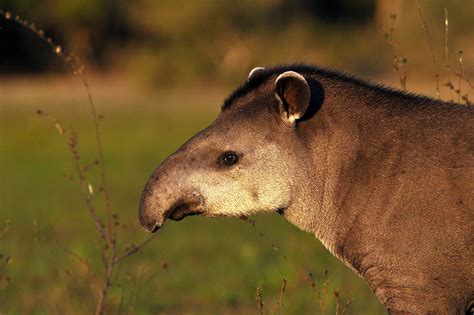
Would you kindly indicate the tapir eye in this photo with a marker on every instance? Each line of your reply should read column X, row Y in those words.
column 229, row 158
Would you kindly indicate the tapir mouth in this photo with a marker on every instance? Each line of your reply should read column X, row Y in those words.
column 192, row 204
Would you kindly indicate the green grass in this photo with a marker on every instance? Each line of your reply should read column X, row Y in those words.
column 213, row 265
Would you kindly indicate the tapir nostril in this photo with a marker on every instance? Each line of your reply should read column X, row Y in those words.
column 189, row 205
column 155, row 228
column 151, row 226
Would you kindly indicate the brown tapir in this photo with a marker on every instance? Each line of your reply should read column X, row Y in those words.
column 384, row 178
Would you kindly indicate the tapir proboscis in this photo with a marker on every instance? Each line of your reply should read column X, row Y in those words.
column 384, row 178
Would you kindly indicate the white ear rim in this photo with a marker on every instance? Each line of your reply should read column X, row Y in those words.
column 254, row 71
column 290, row 74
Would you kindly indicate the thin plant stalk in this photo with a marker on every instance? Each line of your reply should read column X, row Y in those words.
column 282, row 293
column 259, row 298
column 430, row 46
column 107, row 234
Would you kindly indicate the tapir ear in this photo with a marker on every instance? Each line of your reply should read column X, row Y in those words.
column 255, row 71
column 295, row 94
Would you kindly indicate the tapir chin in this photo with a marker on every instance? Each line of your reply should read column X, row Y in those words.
column 384, row 178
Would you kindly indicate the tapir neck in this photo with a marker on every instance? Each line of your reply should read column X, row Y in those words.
column 346, row 140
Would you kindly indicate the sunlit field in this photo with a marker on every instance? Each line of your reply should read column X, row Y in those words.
column 194, row 266
column 166, row 82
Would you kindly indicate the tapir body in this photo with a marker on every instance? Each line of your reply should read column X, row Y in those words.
column 384, row 178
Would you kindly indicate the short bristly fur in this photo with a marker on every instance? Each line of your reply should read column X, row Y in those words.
column 383, row 178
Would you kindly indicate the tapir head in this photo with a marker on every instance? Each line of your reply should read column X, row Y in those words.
column 245, row 162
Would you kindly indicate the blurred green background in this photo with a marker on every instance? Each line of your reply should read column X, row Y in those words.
column 158, row 72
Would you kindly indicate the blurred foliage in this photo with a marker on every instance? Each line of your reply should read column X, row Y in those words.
column 165, row 42
column 89, row 28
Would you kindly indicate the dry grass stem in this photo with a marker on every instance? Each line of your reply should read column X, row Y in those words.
column 282, row 293
column 134, row 248
column 259, row 298
column 461, row 70
column 446, row 33
column 399, row 62
column 336, row 297
column 107, row 232
column 347, row 305
column 317, row 293
column 5, row 259
column 430, row 46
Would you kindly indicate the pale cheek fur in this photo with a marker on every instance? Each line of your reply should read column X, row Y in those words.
column 261, row 187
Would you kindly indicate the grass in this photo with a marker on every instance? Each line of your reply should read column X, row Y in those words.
column 212, row 265
column 198, row 266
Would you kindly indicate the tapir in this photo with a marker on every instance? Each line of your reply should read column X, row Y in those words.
column 382, row 177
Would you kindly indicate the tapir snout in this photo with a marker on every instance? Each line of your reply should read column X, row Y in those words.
column 152, row 217
column 166, row 196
